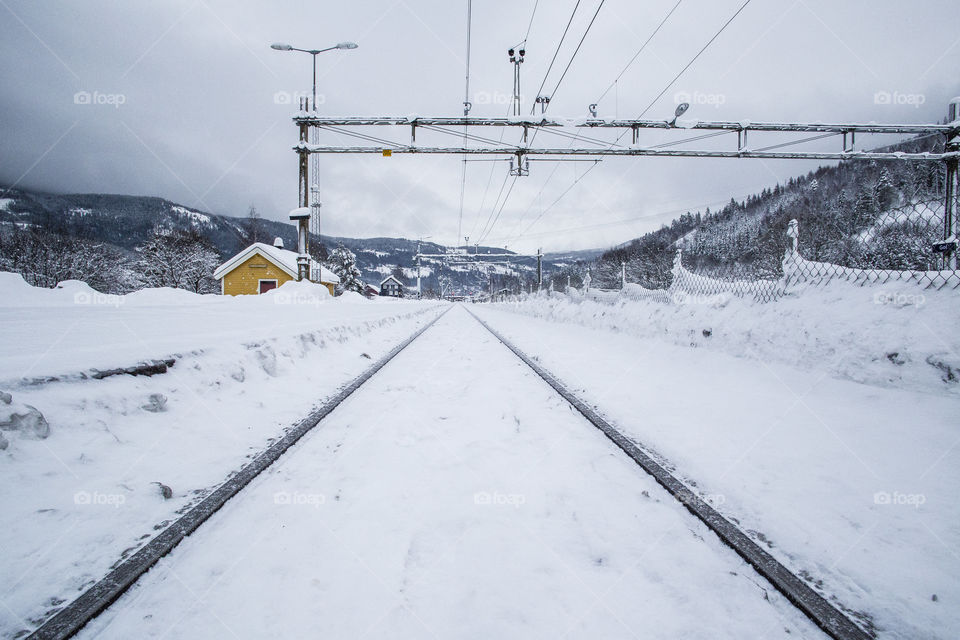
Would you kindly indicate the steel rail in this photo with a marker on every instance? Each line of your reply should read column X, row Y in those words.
column 93, row 601
column 824, row 614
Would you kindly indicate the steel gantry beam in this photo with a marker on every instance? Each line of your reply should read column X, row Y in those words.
column 314, row 120
column 675, row 153
column 848, row 132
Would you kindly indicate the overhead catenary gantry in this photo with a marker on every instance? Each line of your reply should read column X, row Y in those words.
column 595, row 148
column 601, row 148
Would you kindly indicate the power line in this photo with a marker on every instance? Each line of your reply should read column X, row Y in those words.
column 530, row 25
column 576, row 51
column 495, row 202
column 562, row 76
column 659, row 95
column 694, row 59
column 483, row 236
column 555, row 53
column 502, row 132
column 493, row 166
column 639, row 51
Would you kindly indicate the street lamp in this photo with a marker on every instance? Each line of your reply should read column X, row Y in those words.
column 680, row 110
column 281, row 46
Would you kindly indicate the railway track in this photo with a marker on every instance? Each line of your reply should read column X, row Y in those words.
column 826, row 616
column 100, row 596
column 69, row 620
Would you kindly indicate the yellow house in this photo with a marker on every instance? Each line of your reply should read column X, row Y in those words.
column 260, row 268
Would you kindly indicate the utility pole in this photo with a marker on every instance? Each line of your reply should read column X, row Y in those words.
column 623, row 275
column 419, row 293
column 539, row 269
column 302, row 215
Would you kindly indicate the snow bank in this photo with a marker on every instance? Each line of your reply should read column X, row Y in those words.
column 894, row 334
column 71, row 329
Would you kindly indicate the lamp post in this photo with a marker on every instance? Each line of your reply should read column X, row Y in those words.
column 304, row 212
column 280, row 46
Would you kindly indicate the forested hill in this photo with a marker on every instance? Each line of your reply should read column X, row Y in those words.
column 94, row 237
column 879, row 214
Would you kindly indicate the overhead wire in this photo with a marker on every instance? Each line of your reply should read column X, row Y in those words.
column 557, row 86
column 493, row 166
column 652, row 103
column 639, row 51
column 694, row 59
column 576, row 51
column 556, row 52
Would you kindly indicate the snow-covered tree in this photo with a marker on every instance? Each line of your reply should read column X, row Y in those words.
column 44, row 258
column 344, row 264
column 178, row 259
column 884, row 191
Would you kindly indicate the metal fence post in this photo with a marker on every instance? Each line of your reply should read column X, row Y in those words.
column 952, row 188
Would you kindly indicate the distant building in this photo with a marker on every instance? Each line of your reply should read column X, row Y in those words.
column 260, row 268
column 370, row 291
column 390, row 286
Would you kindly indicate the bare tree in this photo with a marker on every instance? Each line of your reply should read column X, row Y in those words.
column 252, row 230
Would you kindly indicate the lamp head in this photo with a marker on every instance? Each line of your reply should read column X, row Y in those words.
column 280, row 46
column 347, row 45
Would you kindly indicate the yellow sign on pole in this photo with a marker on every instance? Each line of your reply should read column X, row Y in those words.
column 387, row 153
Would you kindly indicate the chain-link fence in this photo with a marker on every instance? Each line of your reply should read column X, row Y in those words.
column 901, row 245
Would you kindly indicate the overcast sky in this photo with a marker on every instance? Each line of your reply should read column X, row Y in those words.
column 188, row 101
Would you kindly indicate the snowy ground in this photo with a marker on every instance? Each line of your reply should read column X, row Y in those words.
column 73, row 503
column 454, row 495
column 851, row 484
column 892, row 334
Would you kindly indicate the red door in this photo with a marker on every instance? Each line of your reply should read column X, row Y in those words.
column 267, row 285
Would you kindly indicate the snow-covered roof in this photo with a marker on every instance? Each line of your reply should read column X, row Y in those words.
column 286, row 260
column 382, row 282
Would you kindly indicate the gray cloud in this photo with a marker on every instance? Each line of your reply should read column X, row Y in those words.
column 199, row 123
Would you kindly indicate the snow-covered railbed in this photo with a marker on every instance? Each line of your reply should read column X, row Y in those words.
column 852, row 486
column 453, row 495
column 72, row 504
